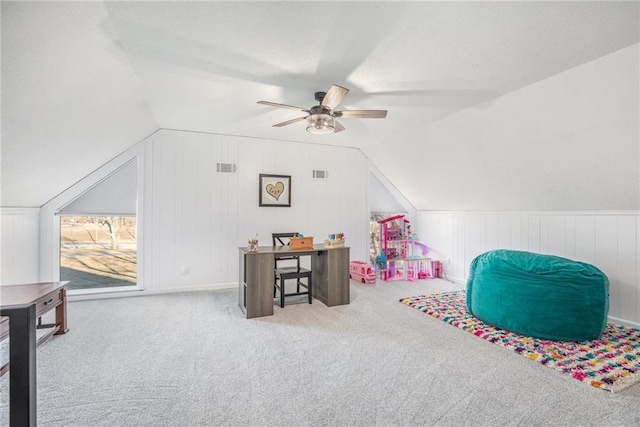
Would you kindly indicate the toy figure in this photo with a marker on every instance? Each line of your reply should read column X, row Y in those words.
column 381, row 261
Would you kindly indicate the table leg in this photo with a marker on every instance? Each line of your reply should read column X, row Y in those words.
column 61, row 314
column 22, row 360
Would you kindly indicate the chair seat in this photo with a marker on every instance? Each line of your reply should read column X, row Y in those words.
column 282, row 273
column 288, row 273
column 292, row 271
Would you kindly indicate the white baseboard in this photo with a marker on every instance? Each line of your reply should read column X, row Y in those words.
column 623, row 322
column 456, row 280
column 143, row 292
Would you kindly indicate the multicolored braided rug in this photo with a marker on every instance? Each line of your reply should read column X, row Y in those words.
column 611, row 363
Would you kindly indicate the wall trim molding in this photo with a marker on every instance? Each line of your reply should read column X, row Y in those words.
column 18, row 210
column 623, row 322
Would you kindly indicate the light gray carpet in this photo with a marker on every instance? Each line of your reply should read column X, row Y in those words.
column 191, row 359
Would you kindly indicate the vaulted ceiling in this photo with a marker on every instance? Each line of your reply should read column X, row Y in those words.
column 83, row 81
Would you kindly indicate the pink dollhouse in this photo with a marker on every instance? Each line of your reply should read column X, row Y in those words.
column 405, row 258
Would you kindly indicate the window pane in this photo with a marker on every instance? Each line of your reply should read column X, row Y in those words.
column 98, row 251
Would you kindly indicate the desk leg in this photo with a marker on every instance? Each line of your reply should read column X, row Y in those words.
column 61, row 314
column 331, row 276
column 22, row 361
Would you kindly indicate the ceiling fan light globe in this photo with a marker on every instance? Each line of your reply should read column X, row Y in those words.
column 320, row 124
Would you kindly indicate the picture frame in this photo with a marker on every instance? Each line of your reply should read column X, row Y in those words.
column 274, row 190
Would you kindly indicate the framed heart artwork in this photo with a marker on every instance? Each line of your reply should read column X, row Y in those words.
column 275, row 190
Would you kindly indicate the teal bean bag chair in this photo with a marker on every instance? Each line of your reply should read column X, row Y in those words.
column 541, row 296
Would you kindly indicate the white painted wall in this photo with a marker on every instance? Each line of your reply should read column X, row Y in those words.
column 19, row 234
column 196, row 217
column 608, row 240
column 570, row 142
column 192, row 219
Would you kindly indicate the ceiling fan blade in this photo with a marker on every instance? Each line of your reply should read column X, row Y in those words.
column 334, row 96
column 361, row 114
column 275, row 104
column 288, row 122
column 337, row 126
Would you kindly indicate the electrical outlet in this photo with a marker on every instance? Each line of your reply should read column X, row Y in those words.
column 185, row 270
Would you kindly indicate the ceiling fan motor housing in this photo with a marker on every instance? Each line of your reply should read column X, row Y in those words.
column 319, row 96
column 319, row 109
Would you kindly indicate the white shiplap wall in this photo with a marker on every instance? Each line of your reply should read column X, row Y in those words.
column 19, row 252
column 608, row 240
column 191, row 219
column 195, row 218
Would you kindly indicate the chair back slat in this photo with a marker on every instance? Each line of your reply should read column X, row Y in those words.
column 284, row 239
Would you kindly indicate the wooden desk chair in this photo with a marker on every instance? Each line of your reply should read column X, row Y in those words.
column 288, row 267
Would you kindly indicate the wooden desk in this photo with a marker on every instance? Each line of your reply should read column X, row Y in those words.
column 329, row 269
column 25, row 305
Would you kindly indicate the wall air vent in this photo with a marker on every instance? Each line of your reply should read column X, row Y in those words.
column 320, row 174
column 226, row 167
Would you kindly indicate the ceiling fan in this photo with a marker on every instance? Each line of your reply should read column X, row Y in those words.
column 322, row 118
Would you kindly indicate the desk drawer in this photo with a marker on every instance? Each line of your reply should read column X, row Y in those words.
column 48, row 302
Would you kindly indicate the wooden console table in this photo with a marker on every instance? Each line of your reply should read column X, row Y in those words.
column 329, row 269
column 24, row 306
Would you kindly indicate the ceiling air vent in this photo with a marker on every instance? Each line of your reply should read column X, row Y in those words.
column 320, row 174
column 226, row 167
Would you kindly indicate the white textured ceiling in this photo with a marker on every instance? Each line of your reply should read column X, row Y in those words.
column 83, row 81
